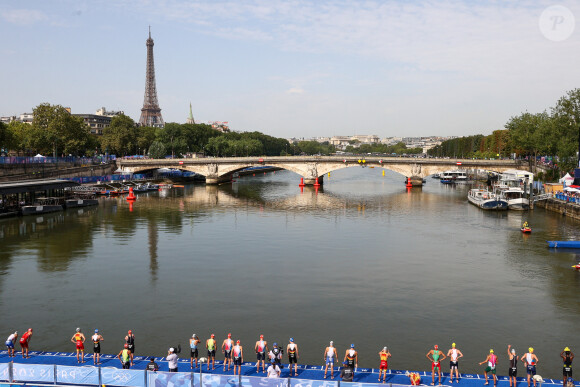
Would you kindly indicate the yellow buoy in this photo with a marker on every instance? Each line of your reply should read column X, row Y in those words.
column 383, row 172
column 328, row 174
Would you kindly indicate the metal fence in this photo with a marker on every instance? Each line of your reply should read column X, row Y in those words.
column 55, row 160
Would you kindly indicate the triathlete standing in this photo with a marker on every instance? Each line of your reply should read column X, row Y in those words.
column 261, row 348
column 97, row 338
column 513, row 370
column 125, row 357
column 10, row 343
column 330, row 355
column 193, row 343
column 227, row 351
column 567, row 356
column 436, row 357
column 351, row 357
column 491, row 360
column 210, row 344
column 130, row 340
column 79, row 340
column 292, row 350
column 24, row 341
column 238, row 354
column 384, row 356
column 530, row 360
column 454, row 355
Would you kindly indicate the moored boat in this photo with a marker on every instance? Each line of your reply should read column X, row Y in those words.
column 486, row 200
column 454, row 177
column 41, row 206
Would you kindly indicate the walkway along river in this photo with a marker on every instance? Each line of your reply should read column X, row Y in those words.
column 360, row 261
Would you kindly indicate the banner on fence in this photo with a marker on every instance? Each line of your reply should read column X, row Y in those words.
column 312, row 383
column 252, row 381
column 33, row 372
column 169, row 379
column 77, row 375
column 120, row 377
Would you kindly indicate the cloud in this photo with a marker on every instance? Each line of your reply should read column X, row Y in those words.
column 23, row 16
column 295, row 90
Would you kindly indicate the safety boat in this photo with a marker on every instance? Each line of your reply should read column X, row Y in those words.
column 526, row 230
column 564, row 244
column 454, row 177
column 577, row 266
column 486, row 200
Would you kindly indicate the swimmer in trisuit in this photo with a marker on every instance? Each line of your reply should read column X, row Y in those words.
column 227, row 351
column 351, row 357
column 567, row 356
column 24, row 341
column 130, row 341
column 97, row 338
column 491, row 360
column 238, row 354
column 454, row 355
column 384, row 356
column 530, row 360
column 261, row 348
column 436, row 357
column 193, row 343
column 79, row 340
column 513, row 370
column 330, row 355
column 292, row 350
column 210, row 344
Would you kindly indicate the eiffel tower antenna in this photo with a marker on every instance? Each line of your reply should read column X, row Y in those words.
column 151, row 112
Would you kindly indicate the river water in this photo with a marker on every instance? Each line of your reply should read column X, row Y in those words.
column 360, row 261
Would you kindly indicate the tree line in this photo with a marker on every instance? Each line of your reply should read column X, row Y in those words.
column 553, row 132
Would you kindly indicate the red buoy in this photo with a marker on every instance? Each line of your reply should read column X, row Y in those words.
column 131, row 197
column 301, row 182
column 316, row 183
column 408, row 185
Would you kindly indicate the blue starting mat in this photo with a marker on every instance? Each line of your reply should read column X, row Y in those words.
column 62, row 368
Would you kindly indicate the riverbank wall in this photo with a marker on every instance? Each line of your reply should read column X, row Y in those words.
column 568, row 209
column 16, row 172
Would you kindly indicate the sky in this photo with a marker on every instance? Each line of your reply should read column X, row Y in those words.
column 295, row 68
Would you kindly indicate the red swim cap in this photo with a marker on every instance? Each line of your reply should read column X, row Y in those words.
column 229, row 335
column 261, row 336
column 129, row 332
column 126, row 345
column 212, row 335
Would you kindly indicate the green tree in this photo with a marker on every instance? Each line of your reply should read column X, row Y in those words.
column 120, row 137
column 145, row 137
column 566, row 115
column 57, row 130
column 157, row 150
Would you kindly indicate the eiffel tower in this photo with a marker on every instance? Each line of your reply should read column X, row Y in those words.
column 151, row 112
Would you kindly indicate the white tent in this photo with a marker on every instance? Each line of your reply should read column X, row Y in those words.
column 570, row 189
column 39, row 156
column 567, row 179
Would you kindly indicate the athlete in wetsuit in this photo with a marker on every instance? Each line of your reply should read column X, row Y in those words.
column 227, row 351
column 384, row 356
column 513, row 370
column 193, row 343
column 351, row 357
column 261, row 348
column 436, row 356
column 491, row 360
column 24, row 341
column 130, row 340
column 530, row 360
column 10, row 343
column 330, row 355
column 454, row 355
column 238, row 354
column 293, row 356
column 97, row 338
column 210, row 344
column 567, row 356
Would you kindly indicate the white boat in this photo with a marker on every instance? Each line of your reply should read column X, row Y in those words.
column 453, row 177
column 511, row 187
column 486, row 200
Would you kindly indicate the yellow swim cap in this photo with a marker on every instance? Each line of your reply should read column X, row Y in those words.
column 567, row 349
column 491, row 351
column 531, row 349
column 453, row 345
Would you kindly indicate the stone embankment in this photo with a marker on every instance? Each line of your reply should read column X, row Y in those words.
column 15, row 172
column 571, row 210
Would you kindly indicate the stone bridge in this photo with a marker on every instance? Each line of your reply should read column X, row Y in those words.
column 217, row 170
